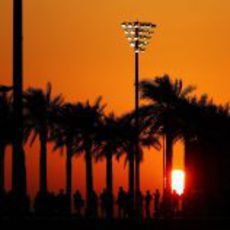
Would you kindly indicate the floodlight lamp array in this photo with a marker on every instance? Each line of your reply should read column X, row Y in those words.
column 138, row 34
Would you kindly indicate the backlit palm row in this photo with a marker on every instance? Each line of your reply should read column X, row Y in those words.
column 84, row 128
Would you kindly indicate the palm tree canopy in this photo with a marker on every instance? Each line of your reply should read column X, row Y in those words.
column 168, row 104
column 164, row 91
column 5, row 89
column 109, row 137
column 78, row 123
column 6, row 119
column 40, row 109
column 147, row 138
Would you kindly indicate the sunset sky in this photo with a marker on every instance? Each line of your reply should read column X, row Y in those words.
column 80, row 48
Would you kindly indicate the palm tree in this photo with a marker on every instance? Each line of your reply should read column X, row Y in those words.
column 89, row 122
column 205, row 130
column 167, row 95
column 5, row 132
column 39, row 116
column 147, row 138
column 110, row 144
column 66, row 134
column 127, row 135
column 76, row 129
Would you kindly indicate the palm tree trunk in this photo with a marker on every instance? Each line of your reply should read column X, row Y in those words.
column 167, row 198
column 193, row 164
column 131, row 183
column 19, row 169
column 69, row 176
column 169, row 158
column 89, row 180
column 188, row 191
column 187, row 164
column 109, row 183
column 131, row 175
column 137, row 184
column 43, row 161
column 109, row 173
column 2, row 174
column 137, row 174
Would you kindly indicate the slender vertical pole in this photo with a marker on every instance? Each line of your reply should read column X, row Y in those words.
column 137, row 121
column 137, row 154
column 164, row 165
column 69, row 177
column 19, row 171
column 133, row 30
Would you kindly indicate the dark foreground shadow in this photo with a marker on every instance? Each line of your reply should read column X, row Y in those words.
column 70, row 223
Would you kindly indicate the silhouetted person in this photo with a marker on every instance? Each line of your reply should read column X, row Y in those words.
column 78, row 202
column 9, row 202
column 128, row 205
column 121, row 200
column 148, row 199
column 2, row 203
column 106, row 204
column 37, row 204
column 93, row 212
column 46, row 204
column 139, row 202
column 27, row 204
column 166, row 205
column 103, row 203
column 175, row 202
column 40, row 203
column 13, row 200
column 62, row 203
column 156, row 203
column 109, row 205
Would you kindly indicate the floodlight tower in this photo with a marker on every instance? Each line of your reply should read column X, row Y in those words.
column 138, row 35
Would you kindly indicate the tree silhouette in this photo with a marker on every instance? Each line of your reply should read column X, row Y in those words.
column 83, row 128
column 89, row 118
column 6, row 118
column 128, row 138
column 110, row 144
column 40, row 110
column 66, row 133
column 166, row 94
column 206, row 155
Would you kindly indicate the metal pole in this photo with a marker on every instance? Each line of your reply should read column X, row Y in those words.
column 137, row 34
column 137, row 118
column 164, row 165
column 137, row 173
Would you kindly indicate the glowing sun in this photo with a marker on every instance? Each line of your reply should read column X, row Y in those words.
column 178, row 179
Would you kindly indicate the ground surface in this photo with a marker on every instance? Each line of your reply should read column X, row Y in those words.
column 68, row 224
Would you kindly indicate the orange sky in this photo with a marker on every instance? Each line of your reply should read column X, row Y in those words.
column 80, row 47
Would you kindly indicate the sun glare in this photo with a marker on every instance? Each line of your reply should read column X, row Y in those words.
column 178, row 180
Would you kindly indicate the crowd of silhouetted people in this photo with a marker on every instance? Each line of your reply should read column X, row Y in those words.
column 103, row 205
